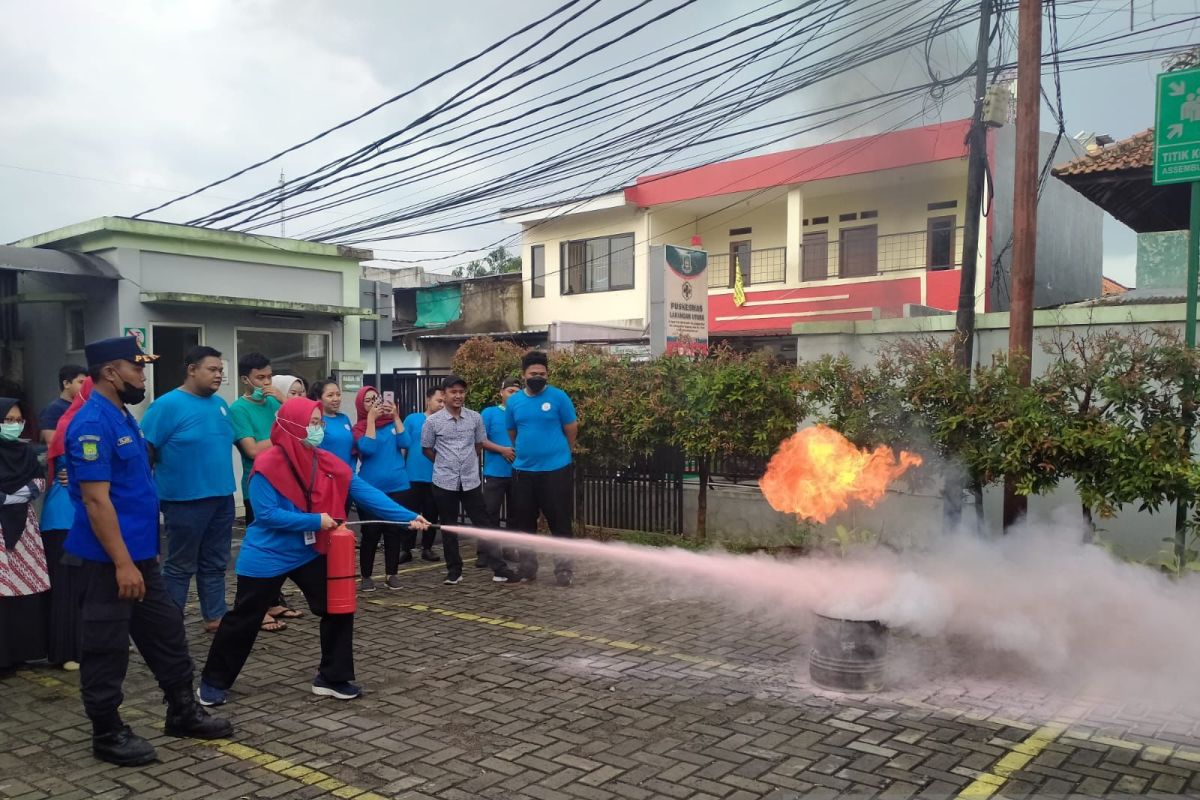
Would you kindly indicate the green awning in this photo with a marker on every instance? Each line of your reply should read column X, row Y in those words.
column 438, row 306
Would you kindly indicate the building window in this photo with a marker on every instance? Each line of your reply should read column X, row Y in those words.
column 739, row 231
column 868, row 215
column 75, row 329
column 304, row 354
column 820, row 220
column 537, row 271
column 941, row 206
column 940, row 241
column 602, row 264
column 847, row 217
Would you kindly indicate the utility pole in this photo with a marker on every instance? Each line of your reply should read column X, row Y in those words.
column 1025, row 189
column 964, row 322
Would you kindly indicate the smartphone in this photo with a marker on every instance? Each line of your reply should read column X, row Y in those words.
column 389, row 397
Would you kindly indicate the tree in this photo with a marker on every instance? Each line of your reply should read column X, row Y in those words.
column 497, row 262
column 722, row 405
column 484, row 362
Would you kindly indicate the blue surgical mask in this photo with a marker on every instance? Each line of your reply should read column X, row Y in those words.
column 316, row 435
column 11, row 431
column 257, row 395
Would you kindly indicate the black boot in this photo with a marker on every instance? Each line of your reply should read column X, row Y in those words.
column 115, row 742
column 186, row 717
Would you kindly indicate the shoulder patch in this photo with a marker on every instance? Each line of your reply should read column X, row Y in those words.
column 91, row 451
column 124, row 440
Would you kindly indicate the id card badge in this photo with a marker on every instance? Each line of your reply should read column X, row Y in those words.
column 310, row 537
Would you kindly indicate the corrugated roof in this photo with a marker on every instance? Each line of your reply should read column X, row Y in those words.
column 1136, row 152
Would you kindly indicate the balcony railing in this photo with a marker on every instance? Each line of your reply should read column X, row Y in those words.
column 857, row 254
column 758, row 267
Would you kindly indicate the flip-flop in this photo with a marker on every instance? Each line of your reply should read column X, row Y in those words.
column 288, row 613
column 274, row 626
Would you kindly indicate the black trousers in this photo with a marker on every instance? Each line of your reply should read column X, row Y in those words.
column 155, row 624
column 551, row 493
column 393, row 539
column 239, row 628
column 471, row 501
column 497, row 495
column 419, row 498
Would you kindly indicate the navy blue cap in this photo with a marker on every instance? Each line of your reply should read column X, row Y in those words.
column 118, row 348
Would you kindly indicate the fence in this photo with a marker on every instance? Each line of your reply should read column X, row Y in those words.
column 643, row 494
column 768, row 265
column 859, row 253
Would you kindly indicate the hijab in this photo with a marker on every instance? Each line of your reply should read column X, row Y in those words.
column 314, row 480
column 283, row 384
column 18, row 466
column 360, row 426
column 58, row 444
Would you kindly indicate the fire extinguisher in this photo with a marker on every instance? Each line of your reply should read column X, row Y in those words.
column 338, row 548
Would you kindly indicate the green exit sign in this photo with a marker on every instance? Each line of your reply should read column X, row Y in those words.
column 1177, row 128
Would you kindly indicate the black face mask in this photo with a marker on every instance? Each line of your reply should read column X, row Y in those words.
column 131, row 396
column 535, row 384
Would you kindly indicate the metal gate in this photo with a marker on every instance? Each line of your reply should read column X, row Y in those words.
column 410, row 386
column 644, row 494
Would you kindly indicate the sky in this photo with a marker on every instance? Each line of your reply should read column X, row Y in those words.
column 112, row 108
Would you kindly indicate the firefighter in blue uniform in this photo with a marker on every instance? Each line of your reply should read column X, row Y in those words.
column 112, row 548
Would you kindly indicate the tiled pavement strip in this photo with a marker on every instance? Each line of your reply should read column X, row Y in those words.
column 606, row 690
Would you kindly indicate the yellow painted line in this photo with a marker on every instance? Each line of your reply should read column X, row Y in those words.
column 602, row 641
column 304, row 775
column 1019, row 755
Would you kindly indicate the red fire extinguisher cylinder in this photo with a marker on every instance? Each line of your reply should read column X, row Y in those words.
column 340, row 597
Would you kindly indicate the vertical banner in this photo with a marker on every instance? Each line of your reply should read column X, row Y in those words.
column 678, row 300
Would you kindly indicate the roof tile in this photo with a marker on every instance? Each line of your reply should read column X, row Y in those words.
column 1136, row 152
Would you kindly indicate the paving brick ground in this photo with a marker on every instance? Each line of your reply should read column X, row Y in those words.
column 609, row 689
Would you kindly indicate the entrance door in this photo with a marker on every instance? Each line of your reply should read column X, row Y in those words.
column 739, row 256
column 815, row 258
column 860, row 252
column 171, row 342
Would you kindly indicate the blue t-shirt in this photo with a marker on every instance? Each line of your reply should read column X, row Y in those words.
column 381, row 463
column 192, row 437
column 274, row 542
column 48, row 419
column 420, row 468
column 105, row 444
column 495, row 425
column 541, row 444
column 339, row 438
column 57, row 511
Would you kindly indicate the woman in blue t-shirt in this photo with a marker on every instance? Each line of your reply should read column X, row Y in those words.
column 380, row 440
column 339, row 435
column 297, row 489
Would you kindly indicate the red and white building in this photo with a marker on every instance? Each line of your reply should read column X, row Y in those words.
column 855, row 229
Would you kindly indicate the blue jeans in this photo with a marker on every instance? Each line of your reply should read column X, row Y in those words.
column 199, row 536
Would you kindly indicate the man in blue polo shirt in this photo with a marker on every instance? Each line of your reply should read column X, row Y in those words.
column 190, row 438
column 112, row 548
column 542, row 427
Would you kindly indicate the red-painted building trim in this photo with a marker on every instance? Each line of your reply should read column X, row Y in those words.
column 904, row 148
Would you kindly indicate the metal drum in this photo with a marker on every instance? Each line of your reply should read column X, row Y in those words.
column 848, row 655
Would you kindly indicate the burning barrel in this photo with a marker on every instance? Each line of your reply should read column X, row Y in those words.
column 848, row 654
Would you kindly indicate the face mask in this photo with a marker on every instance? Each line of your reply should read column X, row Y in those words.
column 11, row 431
column 316, row 435
column 535, row 384
column 131, row 396
column 257, row 394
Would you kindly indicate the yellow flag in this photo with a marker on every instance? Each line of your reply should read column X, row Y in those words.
column 739, row 288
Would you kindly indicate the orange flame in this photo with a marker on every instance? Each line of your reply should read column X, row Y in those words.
column 817, row 472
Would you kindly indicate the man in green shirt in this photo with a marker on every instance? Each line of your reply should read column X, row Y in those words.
column 253, row 416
